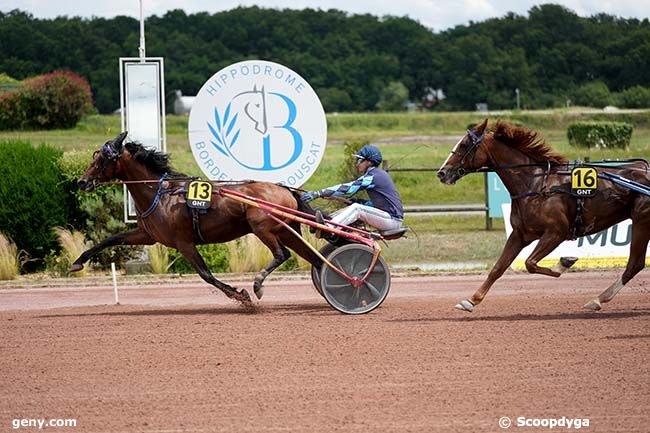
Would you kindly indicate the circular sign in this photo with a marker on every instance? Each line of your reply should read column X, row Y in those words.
column 258, row 120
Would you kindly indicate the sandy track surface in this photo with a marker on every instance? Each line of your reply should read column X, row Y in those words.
column 175, row 358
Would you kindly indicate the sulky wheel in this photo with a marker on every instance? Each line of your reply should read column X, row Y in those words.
column 354, row 260
column 315, row 272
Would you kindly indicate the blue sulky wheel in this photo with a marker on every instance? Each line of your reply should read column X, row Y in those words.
column 354, row 260
column 315, row 272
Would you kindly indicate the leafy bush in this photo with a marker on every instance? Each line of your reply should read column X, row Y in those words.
column 600, row 134
column 214, row 255
column 7, row 83
column 56, row 100
column 634, row 97
column 593, row 94
column 348, row 169
column 34, row 196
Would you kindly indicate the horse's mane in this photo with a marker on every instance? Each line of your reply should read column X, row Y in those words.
column 156, row 161
column 528, row 142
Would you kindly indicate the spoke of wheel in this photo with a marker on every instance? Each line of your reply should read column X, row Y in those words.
column 337, row 262
column 375, row 292
column 363, row 272
column 338, row 286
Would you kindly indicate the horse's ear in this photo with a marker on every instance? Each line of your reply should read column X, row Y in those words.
column 116, row 144
column 480, row 128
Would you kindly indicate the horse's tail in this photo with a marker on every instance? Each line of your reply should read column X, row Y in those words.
column 302, row 205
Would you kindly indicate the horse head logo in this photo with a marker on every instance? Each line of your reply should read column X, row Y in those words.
column 255, row 108
column 253, row 103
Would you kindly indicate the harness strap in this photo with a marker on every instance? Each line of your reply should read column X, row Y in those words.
column 161, row 191
column 577, row 225
column 196, row 226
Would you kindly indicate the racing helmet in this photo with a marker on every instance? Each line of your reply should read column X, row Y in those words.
column 369, row 153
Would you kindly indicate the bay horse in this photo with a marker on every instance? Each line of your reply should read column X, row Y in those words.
column 165, row 217
column 543, row 208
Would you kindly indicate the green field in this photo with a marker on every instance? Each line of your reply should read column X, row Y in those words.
column 439, row 239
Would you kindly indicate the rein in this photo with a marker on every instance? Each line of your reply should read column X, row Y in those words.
column 162, row 191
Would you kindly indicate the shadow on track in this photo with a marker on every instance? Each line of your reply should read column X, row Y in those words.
column 537, row 317
column 282, row 309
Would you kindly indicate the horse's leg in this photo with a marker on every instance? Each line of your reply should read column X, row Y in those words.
column 298, row 245
column 513, row 246
column 135, row 237
column 189, row 251
column 280, row 255
column 635, row 263
column 547, row 243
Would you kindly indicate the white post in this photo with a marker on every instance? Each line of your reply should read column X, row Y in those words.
column 117, row 298
column 517, row 97
column 141, row 48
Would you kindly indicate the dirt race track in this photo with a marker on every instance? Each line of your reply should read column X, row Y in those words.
column 175, row 358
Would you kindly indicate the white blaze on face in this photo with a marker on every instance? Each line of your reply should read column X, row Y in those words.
column 453, row 151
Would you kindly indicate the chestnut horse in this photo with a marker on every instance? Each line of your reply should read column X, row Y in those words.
column 543, row 208
column 164, row 217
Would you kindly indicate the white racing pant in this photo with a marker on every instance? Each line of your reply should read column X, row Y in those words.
column 368, row 214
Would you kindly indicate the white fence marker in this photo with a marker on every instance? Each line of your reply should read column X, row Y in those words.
column 117, row 298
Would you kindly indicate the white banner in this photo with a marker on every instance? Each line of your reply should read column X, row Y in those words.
column 608, row 248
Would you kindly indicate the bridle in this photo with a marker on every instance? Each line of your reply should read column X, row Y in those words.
column 108, row 155
column 475, row 141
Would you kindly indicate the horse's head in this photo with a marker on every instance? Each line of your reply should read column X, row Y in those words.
column 104, row 166
column 468, row 154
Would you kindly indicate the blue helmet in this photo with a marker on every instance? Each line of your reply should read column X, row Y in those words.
column 370, row 153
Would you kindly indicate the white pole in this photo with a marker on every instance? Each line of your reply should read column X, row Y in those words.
column 141, row 48
column 117, row 298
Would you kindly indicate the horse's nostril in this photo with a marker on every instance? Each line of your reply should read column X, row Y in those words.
column 441, row 174
column 82, row 183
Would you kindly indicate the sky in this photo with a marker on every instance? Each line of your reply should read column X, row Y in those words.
column 437, row 15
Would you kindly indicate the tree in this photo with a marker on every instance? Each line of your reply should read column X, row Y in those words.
column 393, row 97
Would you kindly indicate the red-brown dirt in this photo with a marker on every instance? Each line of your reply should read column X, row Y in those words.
column 175, row 358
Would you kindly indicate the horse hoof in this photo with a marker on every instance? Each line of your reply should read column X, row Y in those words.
column 245, row 297
column 465, row 305
column 76, row 267
column 567, row 262
column 593, row 305
column 259, row 291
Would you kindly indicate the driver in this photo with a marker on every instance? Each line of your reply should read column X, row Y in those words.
column 384, row 209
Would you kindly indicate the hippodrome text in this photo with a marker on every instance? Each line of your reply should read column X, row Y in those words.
column 253, row 70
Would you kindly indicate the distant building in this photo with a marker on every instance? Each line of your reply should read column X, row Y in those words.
column 482, row 107
column 183, row 104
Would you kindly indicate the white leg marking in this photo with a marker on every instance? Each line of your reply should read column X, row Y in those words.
column 611, row 291
column 465, row 305
column 606, row 296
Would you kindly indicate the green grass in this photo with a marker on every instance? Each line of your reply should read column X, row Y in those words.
column 415, row 187
column 447, row 239
column 439, row 239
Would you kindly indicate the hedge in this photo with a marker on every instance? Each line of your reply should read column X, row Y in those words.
column 600, row 134
column 34, row 196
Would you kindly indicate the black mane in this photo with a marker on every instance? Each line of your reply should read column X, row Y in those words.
column 157, row 162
